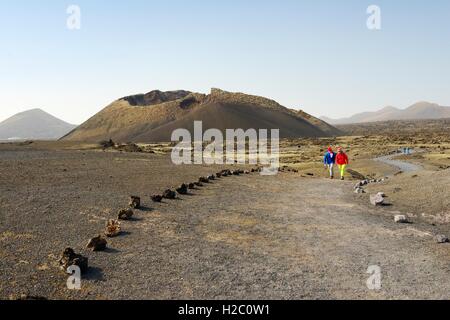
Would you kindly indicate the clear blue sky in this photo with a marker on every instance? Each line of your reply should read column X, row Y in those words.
column 314, row 55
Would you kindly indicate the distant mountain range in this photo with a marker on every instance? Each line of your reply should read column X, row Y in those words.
column 152, row 117
column 34, row 124
column 418, row 111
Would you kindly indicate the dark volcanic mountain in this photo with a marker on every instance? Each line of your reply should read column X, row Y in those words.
column 152, row 117
column 34, row 124
column 418, row 111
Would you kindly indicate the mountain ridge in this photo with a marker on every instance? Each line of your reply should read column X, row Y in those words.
column 152, row 117
column 422, row 110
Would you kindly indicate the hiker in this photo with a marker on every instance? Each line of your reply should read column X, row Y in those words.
column 329, row 161
column 341, row 161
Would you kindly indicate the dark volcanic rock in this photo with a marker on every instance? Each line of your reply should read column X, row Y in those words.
column 70, row 258
column 125, row 214
column 135, row 202
column 183, row 189
column 106, row 144
column 97, row 244
column 203, row 180
column 157, row 198
column 169, row 194
column 226, row 173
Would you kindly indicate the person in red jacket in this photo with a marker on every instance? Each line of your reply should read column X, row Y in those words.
column 341, row 161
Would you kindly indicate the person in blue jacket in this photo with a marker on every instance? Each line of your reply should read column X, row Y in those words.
column 329, row 160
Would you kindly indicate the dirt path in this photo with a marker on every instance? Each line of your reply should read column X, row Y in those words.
column 247, row 237
column 279, row 237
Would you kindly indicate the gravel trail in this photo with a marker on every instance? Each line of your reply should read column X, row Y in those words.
column 247, row 237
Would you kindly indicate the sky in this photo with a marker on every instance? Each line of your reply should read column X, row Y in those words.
column 318, row 56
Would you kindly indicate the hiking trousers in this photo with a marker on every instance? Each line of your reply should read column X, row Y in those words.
column 342, row 169
column 331, row 168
